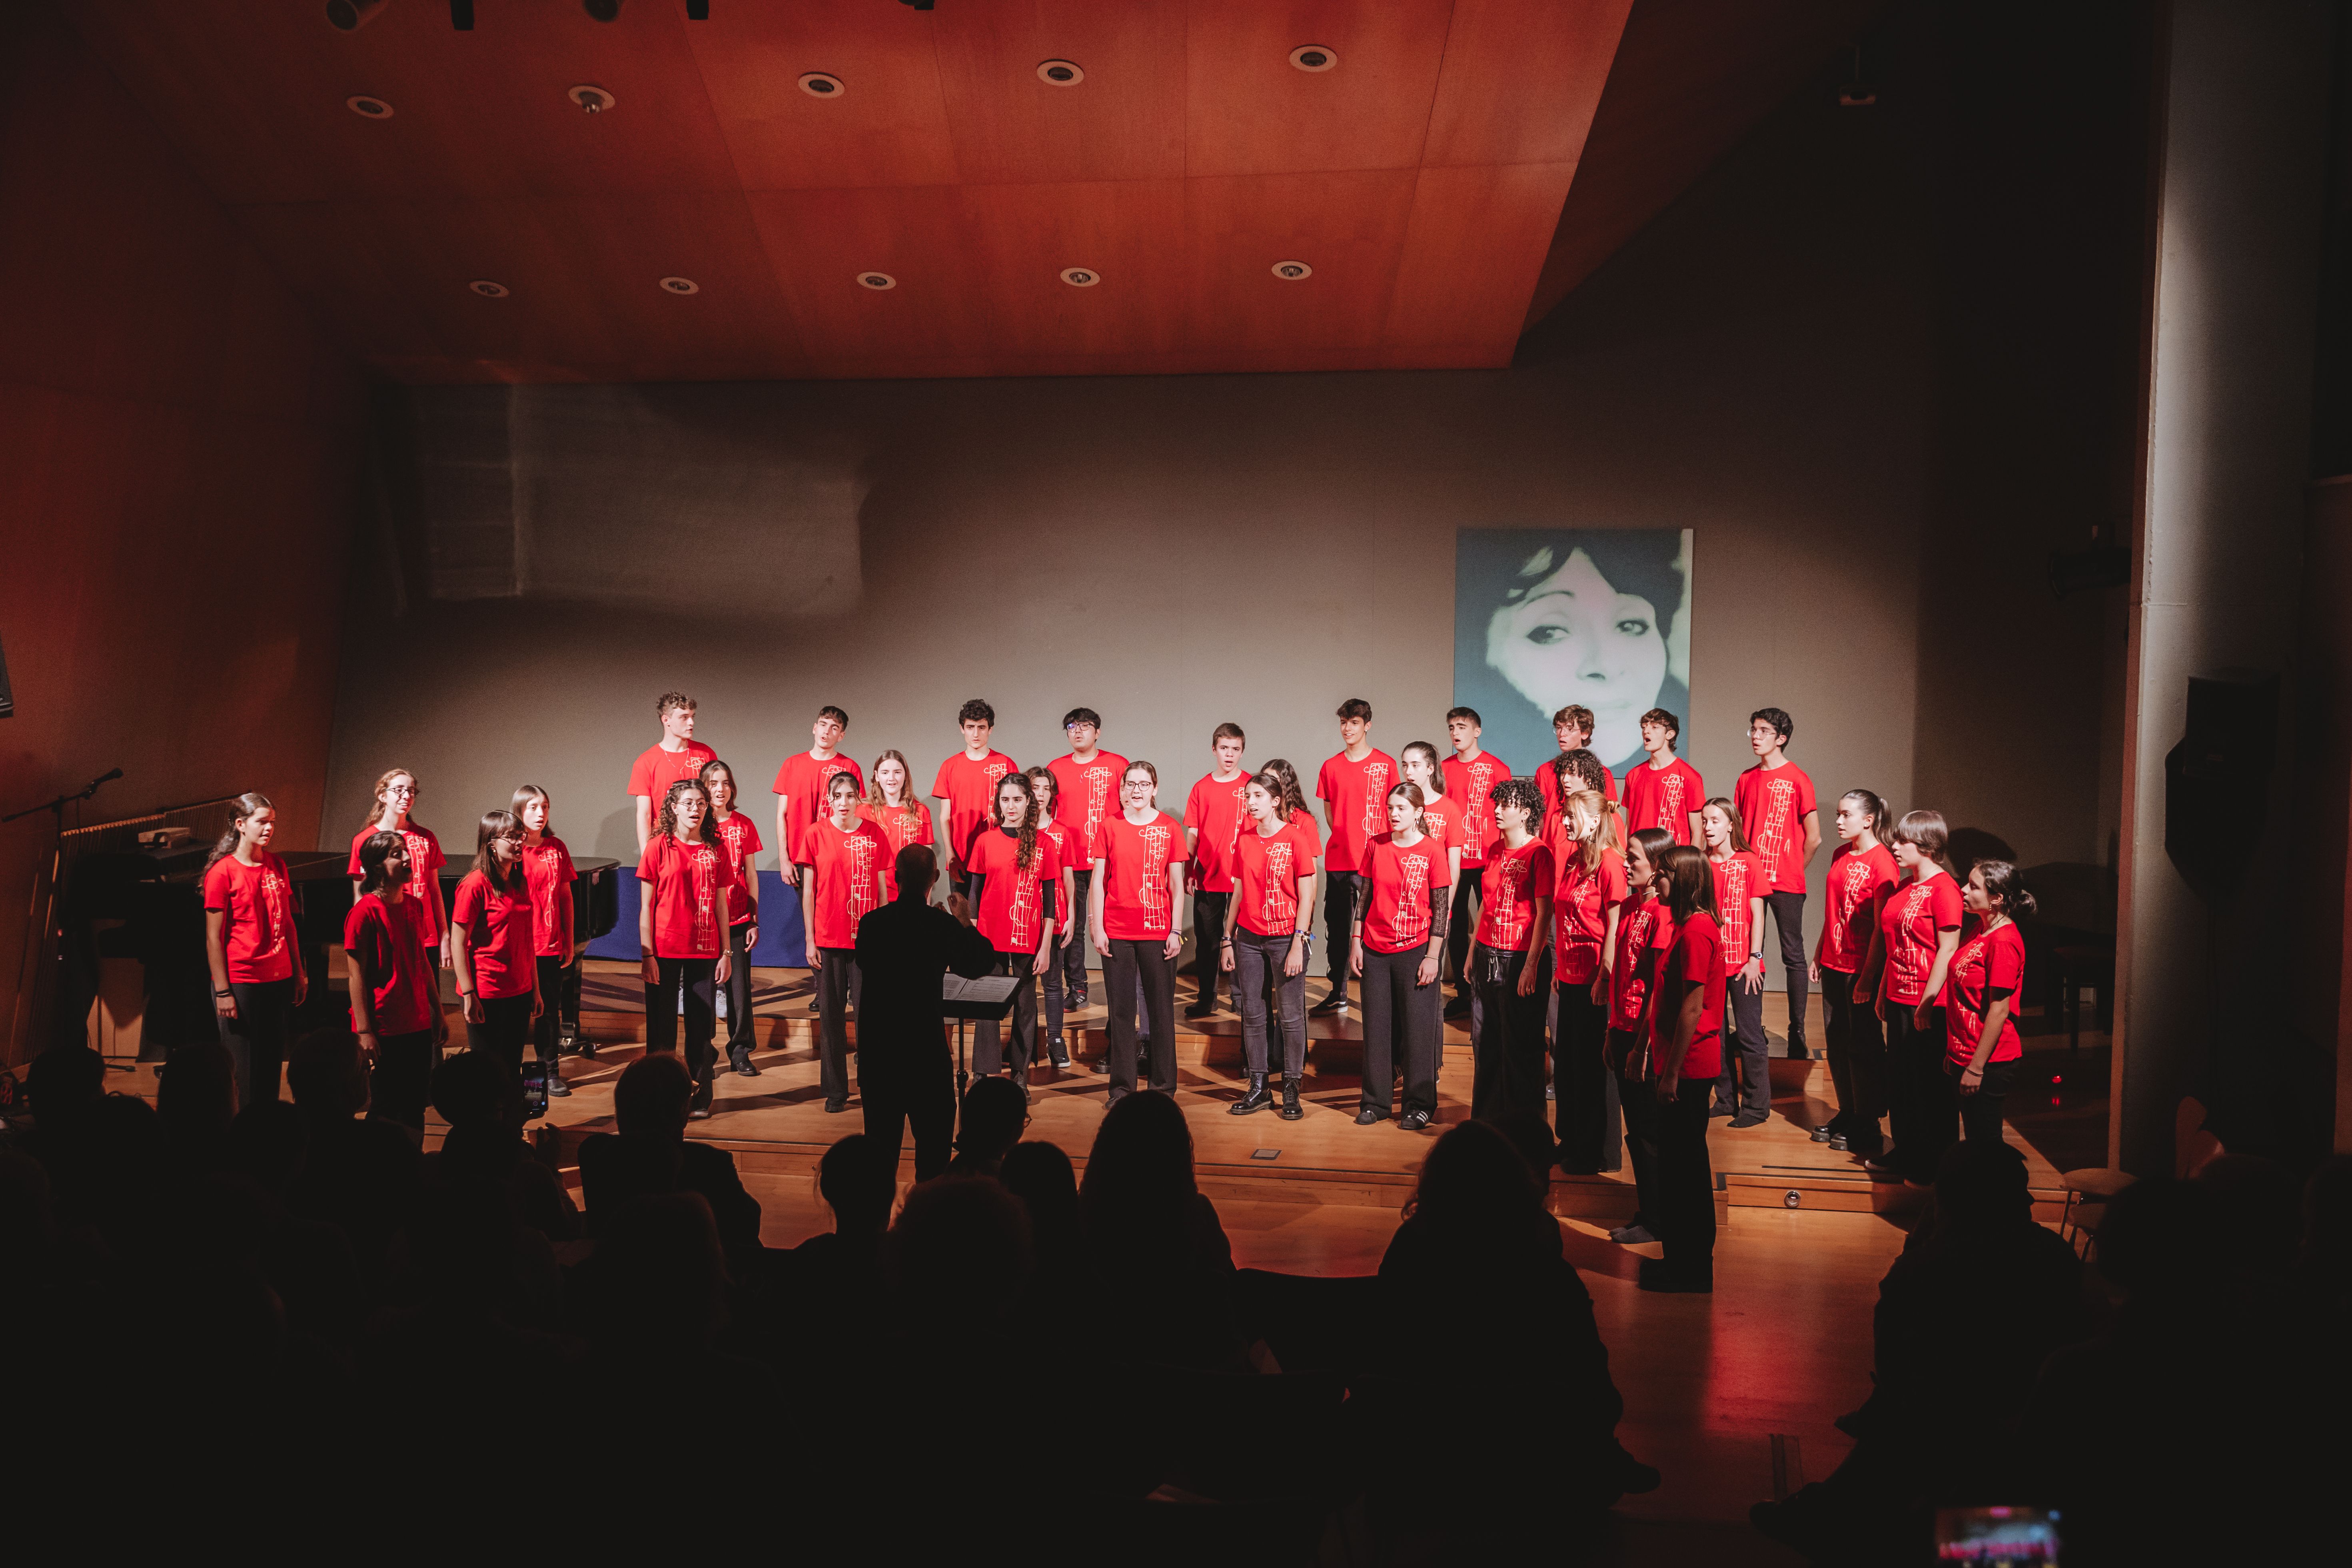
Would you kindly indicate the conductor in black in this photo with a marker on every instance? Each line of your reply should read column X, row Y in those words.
column 904, row 950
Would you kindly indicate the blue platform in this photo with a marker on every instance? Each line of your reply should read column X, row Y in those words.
column 784, row 943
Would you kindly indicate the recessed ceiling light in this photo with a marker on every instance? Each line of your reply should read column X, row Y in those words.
column 877, row 281
column 368, row 106
column 594, row 99
column 822, row 84
column 1081, row 276
column 489, row 291
column 681, row 285
column 1060, row 73
column 1313, row 57
column 1293, row 271
column 351, row 15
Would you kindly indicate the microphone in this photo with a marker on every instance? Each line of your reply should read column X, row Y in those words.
column 108, row 777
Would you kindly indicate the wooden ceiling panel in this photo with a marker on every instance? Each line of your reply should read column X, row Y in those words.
column 1522, row 79
column 1124, row 121
column 818, row 242
column 1473, row 251
column 1024, row 236
column 1251, row 112
column 1349, row 228
column 888, row 128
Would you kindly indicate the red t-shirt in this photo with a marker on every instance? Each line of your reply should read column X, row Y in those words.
column 1983, row 967
column 898, row 829
column 1692, row 951
column 548, row 871
column 1133, row 864
column 1359, row 797
column 656, row 770
column 1510, row 882
column 1739, row 877
column 1398, row 917
column 803, row 782
column 1909, row 916
column 1662, row 797
column 1772, row 809
column 1304, row 821
column 1639, row 928
column 1443, row 820
column 1086, row 793
column 970, row 790
column 1012, row 902
column 1855, row 885
column 257, row 902
column 425, row 859
column 1267, row 870
column 1467, row 785
column 849, row 880
column 1213, row 811
column 404, row 986
column 1581, row 902
column 739, row 836
column 500, row 934
column 686, row 880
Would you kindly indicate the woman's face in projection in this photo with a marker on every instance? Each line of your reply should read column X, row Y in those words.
column 1572, row 638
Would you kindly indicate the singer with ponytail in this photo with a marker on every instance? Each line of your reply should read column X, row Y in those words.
column 1982, row 1049
column 250, row 947
column 494, row 943
column 394, row 989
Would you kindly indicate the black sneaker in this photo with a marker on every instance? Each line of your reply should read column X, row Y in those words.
column 1750, row 1119
column 1075, row 1000
column 556, row 1088
column 835, row 1107
column 1632, row 1235
column 1369, row 1115
column 1820, row 1135
column 1335, row 1002
column 1415, row 1120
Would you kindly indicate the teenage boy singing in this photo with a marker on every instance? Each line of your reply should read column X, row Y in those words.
column 1085, row 790
column 1213, row 821
column 677, row 755
column 1784, row 828
column 1354, row 789
column 1665, row 792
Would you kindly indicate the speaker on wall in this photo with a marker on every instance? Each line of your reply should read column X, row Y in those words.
column 7, row 702
column 2217, row 780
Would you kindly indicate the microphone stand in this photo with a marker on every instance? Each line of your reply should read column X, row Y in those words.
column 40, row 924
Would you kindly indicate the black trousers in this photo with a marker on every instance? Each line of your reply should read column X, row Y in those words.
column 839, row 988
column 1468, row 900
column 1057, row 998
column 1147, row 963
column 1260, row 990
column 401, row 1085
column 1789, row 920
column 504, row 1031
column 739, row 990
column 1981, row 1113
column 1745, row 1082
column 989, row 1054
column 1857, row 1053
column 555, row 978
column 900, row 1085
column 1072, row 959
column 1508, row 1044
column 1914, row 1061
column 1339, row 919
column 1682, row 1215
column 256, row 1038
column 1641, row 1104
column 697, row 978
column 1403, row 1028
column 1208, row 931
column 1584, row 1091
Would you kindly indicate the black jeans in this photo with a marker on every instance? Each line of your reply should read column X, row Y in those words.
column 1584, row 1098
column 504, row 1031
column 839, row 988
column 557, row 980
column 898, row 1086
column 989, row 1055
column 1057, row 990
column 1509, row 1046
column 1789, row 920
column 401, row 1084
column 739, row 990
column 1144, row 963
column 697, row 978
column 1915, row 1062
column 1467, row 901
column 1748, row 1056
column 1207, row 931
column 1259, row 987
column 1072, row 959
column 256, row 1038
column 1403, row 1026
column 1981, row 1116
column 1339, row 919
column 1640, row 1101
column 1857, row 1053
column 1683, row 1214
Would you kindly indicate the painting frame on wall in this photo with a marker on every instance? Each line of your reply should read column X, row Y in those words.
column 1545, row 618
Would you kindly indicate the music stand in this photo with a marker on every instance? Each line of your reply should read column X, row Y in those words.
column 989, row 997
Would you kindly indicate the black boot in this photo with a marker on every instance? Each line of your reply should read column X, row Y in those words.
column 1257, row 1099
column 1290, row 1111
column 556, row 1088
column 740, row 1059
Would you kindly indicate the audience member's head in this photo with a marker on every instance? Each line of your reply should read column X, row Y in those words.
column 1042, row 1177
column 1474, row 1184
column 1531, row 1136
column 993, row 1117
column 2154, row 1240
column 328, row 1076
column 858, row 1179
column 64, row 1081
column 195, row 1094
column 472, row 1090
column 1141, row 1167
column 959, row 1255
column 266, row 1145
column 1980, row 1187
column 653, row 1095
column 2264, row 1202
